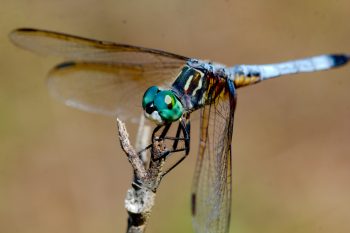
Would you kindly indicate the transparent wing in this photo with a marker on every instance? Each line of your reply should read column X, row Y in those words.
column 78, row 48
column 110, row 89
column 211, row 197
column 105, row 77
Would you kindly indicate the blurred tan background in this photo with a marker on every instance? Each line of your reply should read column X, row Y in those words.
column 61, row 170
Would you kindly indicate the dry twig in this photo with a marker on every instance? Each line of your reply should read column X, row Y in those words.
column 140, row 197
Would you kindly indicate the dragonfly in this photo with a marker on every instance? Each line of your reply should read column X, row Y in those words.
column 123, row 80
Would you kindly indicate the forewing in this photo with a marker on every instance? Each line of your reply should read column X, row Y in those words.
column 110, row 89
column 211, row 197
column 78, row 48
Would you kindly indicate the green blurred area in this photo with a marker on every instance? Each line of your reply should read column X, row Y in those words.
column 61, row 170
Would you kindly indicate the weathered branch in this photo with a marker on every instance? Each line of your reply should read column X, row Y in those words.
column 140, row 197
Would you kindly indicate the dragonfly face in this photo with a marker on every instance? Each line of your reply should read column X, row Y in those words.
column 187, row 94
column 161, row 106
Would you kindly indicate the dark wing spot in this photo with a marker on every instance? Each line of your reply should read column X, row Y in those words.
column 193, row 202
column 65, row 65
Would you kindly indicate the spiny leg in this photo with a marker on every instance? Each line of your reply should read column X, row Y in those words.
column 161, row 137
column 164, row 132
column 176, row 141
column 184, row 127
column 154, row 138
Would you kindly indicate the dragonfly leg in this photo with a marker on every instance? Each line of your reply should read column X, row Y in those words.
column 184, row 127
column 155, row 138
column 144, row 149
column 164, row 132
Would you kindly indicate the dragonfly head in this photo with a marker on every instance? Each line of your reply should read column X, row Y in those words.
column 161, row 106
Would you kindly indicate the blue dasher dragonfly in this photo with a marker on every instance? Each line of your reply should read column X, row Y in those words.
column 123, row 80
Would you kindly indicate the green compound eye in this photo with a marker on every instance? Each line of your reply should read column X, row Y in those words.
column 149, row 95
column 168, row 106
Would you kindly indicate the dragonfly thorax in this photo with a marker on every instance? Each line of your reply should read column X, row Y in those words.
column 161, row 106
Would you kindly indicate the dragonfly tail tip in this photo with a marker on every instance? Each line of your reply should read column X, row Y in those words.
column 340, row 59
